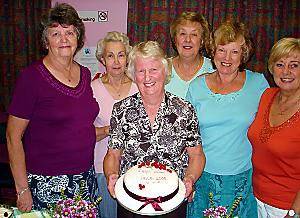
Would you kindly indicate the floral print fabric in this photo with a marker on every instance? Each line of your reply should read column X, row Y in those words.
column 46, row 190
column 175, row 128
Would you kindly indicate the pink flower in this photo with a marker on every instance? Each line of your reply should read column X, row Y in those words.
column 209, row 212
column 82, row 203
column 221, row 210
column 66, row 212
column 68, row 202
column 91, row 214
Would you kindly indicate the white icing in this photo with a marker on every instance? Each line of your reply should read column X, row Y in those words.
column 151, row 182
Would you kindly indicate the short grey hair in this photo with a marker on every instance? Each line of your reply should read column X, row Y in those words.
column 113, row 36
column 149, row 49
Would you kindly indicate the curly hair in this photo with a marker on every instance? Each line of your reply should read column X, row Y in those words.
column 113, row 36
column 283, row 48
column 231, row 31
column 194, row 18
column 65, row 15
column 149, row 49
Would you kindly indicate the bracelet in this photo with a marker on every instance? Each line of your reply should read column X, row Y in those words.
column 22, row 191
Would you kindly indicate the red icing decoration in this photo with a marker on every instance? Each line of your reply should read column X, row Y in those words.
column 141, row 186
column 154, row 164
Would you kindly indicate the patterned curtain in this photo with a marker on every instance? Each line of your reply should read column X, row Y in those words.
column 20, row 40
column 268, row 21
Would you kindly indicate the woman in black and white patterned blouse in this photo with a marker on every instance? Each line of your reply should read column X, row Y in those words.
column 153, row 125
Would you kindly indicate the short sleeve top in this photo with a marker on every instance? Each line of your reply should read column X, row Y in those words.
column 60, row 136
column 175, row 128
column 105, row 102
column 224, row 120
column 179, row 87
column 276, row 155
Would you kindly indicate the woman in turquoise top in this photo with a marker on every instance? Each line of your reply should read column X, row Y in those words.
column 190, row 34
column 226, row 102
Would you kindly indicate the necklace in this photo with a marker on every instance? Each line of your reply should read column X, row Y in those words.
column 69, row 79
column 286, row 107
column 117, row 90
column 188, row 76
column 69, row 74
column 66, row 73
column 223, row 87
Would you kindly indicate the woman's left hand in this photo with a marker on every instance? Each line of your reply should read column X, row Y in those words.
column 188, row 183
column 194, row 170
column 111, row 183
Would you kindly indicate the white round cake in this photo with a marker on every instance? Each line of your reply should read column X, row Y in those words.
column 150, row 181
column 150, row 189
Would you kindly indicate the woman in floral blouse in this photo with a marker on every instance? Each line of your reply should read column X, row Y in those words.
column 153, row 125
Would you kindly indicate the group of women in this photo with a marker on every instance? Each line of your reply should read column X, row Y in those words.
column 217, row 124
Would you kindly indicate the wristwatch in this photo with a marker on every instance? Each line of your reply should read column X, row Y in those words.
column 292, row 213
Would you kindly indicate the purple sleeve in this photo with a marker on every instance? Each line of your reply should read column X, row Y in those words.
column 25, row 94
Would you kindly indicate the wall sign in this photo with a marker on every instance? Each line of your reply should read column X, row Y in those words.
column 99, row 17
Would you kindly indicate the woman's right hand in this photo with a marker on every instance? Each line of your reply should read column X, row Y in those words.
column 112, row 179
column 15, row 130
column 25, row 202
column 101, row 132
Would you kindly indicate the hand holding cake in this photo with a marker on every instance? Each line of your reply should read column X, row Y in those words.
column 189, row 181
column 111, row 182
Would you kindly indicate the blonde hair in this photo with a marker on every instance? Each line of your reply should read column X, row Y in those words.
column 191, row 17
column 232, row 31
column 149, row 49
column 113, row 36
column 283, row 48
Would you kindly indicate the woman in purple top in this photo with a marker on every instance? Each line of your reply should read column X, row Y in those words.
column 50, row 134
